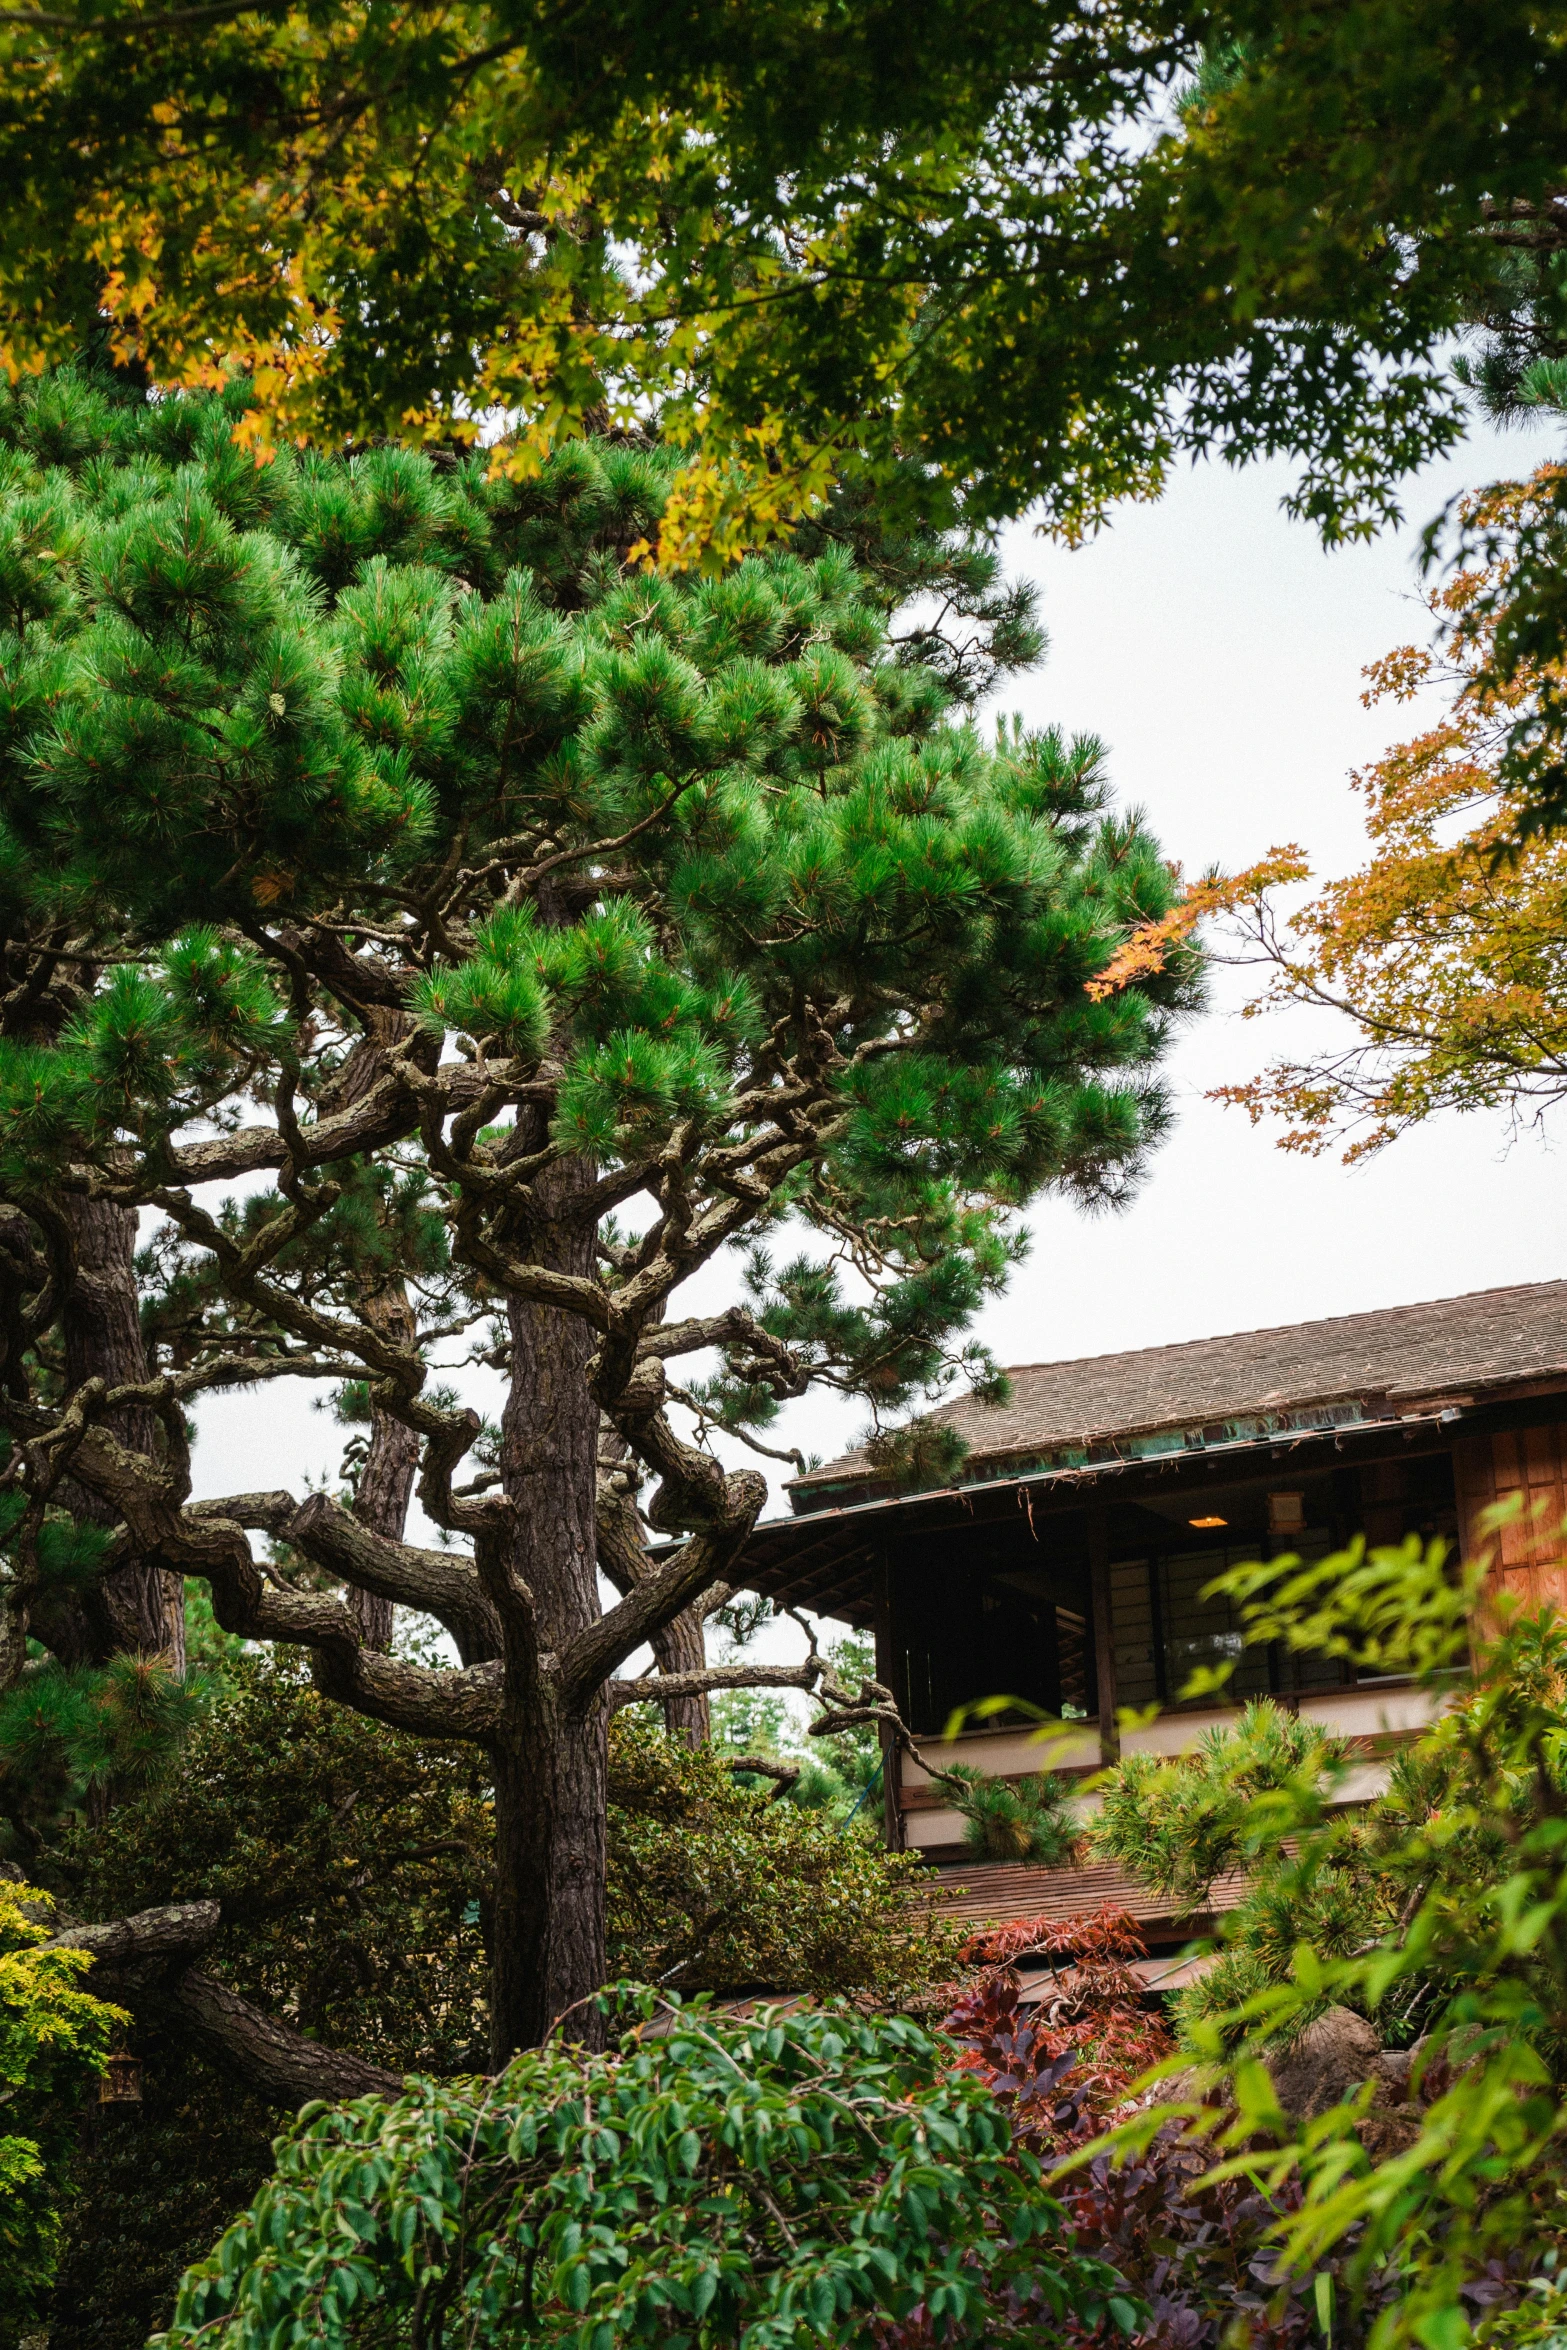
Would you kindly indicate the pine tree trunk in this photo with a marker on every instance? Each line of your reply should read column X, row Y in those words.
column 138, row 1608
column 386, row 1481
column 547, row 1914
column 681, row 1647
column 551, row 1764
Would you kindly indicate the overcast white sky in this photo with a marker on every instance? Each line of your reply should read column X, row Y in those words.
column 1218, row 650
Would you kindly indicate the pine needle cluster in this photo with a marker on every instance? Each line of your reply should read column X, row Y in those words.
column 1030, row 1820
column 237, row 700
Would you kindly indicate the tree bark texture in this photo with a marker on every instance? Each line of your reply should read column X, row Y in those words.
column 681, row 1647
column 386, row 1481
column 547, row 1913
column 266, row 2053
column 138, row 1607
column 551, row 1761
column 147, row 1956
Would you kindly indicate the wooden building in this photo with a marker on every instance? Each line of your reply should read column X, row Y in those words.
column 1066, row 1566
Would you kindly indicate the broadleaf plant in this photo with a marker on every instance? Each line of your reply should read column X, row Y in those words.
column 779, row 2179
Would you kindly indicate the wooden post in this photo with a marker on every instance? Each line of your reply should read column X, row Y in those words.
column 1104, row 1633
column 891, row 1752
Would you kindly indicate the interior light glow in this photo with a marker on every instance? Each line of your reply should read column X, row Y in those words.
column 1207, row 1521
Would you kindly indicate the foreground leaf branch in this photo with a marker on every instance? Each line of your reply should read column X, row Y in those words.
column 1436, row 1913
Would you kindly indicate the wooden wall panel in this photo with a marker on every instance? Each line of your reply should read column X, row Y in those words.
column 1526, row 1466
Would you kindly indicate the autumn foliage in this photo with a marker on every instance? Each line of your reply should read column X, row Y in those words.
column 1196, row 2253
column 1088, row 2025
column 1443, row 952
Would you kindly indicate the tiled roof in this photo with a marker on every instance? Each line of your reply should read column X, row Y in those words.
column 1372, row 1365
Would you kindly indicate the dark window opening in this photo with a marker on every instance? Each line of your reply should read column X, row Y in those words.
column 1165, row 1630
column 965, row 1628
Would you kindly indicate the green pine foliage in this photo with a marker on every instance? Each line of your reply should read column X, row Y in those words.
column 922, row 1455
column 1178, row 1825
column 1033, row 1820
column 73, row 1735
column 231, row 696
column 69, row 1732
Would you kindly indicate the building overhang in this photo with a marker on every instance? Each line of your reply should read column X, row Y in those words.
column 828, row 1560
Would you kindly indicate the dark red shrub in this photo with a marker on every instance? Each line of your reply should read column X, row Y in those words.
column 1087, row 2020
column 1063, row 2063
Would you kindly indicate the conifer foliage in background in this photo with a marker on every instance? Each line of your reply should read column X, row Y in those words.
column 456, row 937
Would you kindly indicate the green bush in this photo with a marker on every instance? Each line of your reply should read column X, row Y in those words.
column 1439, row 1911
column 1178, row 1823
column 54, row 2036
column 717, row 1888
column 351, row 1861
column 784, row 2181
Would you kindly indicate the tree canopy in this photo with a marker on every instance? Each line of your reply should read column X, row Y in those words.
column 1033, row 250
column 457, row 937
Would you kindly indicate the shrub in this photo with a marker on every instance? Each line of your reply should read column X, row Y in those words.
column 1177, row 1824
column 1089, row 2031
column 351, row 1860
column 714, row 1887
column 784, row 2180
column 1198, row 2253
column 1439, row 1912
column 54, row 2037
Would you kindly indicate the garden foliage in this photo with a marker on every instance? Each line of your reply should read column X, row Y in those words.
column 1198, row 2253
column 1032, row 1821
column 1439, row 1912
column 714, row 1887
column 54, row 2037
column 776, row 2179
column 352, row 1863
column 1177, row 1829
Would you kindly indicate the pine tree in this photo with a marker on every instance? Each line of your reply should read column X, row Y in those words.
column 456, row 937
